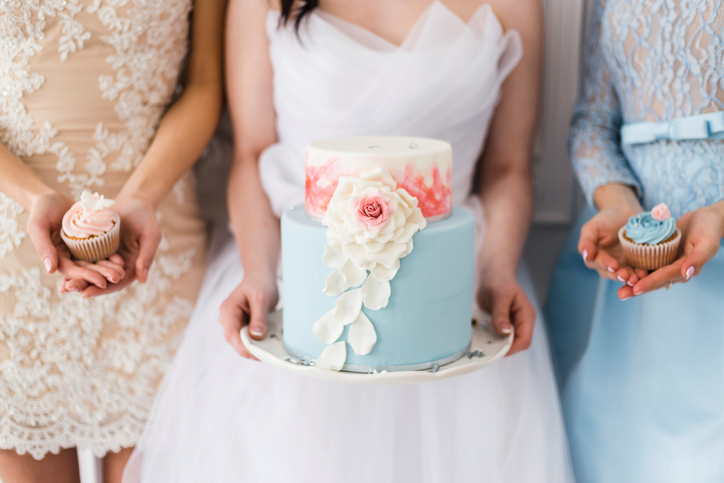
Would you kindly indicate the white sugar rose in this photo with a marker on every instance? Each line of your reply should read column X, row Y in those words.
column 371, row 223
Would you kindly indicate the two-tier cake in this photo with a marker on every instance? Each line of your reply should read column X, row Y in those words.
column 378, row 264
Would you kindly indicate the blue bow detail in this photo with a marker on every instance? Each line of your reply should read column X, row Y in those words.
column 704, row 126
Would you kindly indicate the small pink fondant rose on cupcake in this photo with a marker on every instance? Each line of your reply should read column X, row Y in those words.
column 372, row 212
column 661, row 212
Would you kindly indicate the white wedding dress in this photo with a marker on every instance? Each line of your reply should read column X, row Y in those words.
column 221, row 418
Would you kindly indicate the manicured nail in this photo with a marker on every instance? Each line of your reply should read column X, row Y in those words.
column 256, row 332
column 639, row 293
column 585, row 255
column 620, row 278
column 630, row 284
column 689, row 272
column 505, row 330
column 625, row 298
column 610, row 269
column 48, row 264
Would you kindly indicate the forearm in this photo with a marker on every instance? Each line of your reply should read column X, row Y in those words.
column 508, row 206
column 615, row 195
column 182, row 136
column 19, row 181
column 256, row 228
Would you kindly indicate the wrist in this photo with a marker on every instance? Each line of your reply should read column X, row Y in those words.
column 618, row 197
column 497, row 274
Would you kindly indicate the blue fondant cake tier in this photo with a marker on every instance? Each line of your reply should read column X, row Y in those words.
column 428, row 317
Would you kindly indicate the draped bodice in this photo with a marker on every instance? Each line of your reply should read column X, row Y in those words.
column 337, row 79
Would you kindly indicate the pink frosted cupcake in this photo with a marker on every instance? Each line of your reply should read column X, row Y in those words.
column 90, row 229
column 650, row 239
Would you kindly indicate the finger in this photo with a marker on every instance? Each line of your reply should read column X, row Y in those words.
column 588, row 241
column 692, row 263
column 39, row 234
column 117, row 259
column 109, row 274
column 232, row 318
column 623, row 275
column 71, row 270
column 93, row 291
column 625, row 292
column 113, row 266
column 660, row 277
column 76, row 285
column 502, row 303
column 607, row 262
column 259, row 306
column 524, row 320
column 633, row 280
column 150, row 238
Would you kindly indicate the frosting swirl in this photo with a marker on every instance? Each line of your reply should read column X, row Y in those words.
column 644, row 228
column 89, row 217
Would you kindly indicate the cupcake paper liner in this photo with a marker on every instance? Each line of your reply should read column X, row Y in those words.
column 95, row 248
column 650, row 257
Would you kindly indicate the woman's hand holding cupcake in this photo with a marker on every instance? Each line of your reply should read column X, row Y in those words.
column 45, row 227
column 701, row 234
column 599, row 244
column 140, row 235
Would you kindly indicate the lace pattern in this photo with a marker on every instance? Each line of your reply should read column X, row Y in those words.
column 651, row 60
column 77, row 372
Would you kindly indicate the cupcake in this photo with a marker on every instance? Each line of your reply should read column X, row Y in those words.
column 90, row 229
column 650, row 239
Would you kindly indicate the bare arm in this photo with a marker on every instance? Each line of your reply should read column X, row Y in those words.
column 256, row 229
column 505, row 185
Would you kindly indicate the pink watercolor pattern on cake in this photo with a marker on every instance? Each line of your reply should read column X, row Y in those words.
column 320, row 185
column 433, row 200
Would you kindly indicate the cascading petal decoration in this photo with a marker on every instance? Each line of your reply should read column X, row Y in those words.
column 370, row 224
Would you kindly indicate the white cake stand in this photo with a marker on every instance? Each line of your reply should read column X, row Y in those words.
column 486, row 347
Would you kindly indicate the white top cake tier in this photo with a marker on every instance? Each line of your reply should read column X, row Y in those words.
column 422, row 166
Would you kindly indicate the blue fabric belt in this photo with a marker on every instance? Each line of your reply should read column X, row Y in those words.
column 703, row 126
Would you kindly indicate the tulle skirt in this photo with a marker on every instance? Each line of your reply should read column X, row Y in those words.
column 221, row 418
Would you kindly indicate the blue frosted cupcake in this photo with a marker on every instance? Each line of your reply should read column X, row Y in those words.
column 650, row 239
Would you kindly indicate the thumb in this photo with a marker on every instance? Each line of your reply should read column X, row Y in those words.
column 692, row 263
column 588, row 241
column 150, row 239
column 40, row 235
column 259, row 307
column 501, row 313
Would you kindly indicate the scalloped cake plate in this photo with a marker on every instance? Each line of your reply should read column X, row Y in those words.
column 486, row 347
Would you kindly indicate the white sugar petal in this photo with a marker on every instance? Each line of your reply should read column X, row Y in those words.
column 362, row 336
column 358, row 255
column 353, row 275
column 390, row 255
column 333, row 356
column 349, row 305
column 406, row 235
column 374, row 246
column 381, row 175
column 328, row 328
column 332, row 258
column 335, row 284
column 375, row 293
column 383, row 274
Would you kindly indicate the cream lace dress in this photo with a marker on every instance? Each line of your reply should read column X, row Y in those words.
column 83, row 85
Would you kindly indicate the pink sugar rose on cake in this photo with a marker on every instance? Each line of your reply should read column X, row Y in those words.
column 91, row 230
column 372, row 212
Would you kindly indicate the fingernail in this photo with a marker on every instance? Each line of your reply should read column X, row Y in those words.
column 48, row 264
column 610, row 269
column 639, row 293
column 620, row 278
column 585, row 255
column 505, row 329
column 689, row 272
column 630, row 284
column 256, row 332
column 625, row 298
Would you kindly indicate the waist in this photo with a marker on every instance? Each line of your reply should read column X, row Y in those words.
column 708, row 126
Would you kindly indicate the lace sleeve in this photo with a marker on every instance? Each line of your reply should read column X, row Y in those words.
column 594, row 142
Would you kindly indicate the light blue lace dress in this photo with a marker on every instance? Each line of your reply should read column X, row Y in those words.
column 642, row 380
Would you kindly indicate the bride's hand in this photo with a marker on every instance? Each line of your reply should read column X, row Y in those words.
column 702, row 231
column 601, row 250
column 45, row 222
column 140, row 237
column 250, row 303
column 510, row 307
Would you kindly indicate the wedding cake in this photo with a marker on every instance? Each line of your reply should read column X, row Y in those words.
column 377, row 264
